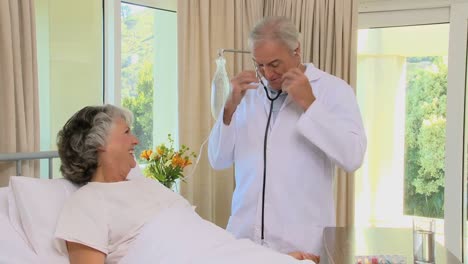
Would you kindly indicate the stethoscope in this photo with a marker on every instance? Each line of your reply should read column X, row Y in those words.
column 265, row 141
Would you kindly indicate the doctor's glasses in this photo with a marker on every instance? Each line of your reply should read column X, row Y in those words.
column 260, row 68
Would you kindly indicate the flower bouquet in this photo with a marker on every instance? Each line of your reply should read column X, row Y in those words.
column 167, row 164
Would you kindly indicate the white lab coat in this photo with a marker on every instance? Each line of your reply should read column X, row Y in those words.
column 302, row 149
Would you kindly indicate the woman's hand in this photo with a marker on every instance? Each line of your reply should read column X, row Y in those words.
column 304, row 256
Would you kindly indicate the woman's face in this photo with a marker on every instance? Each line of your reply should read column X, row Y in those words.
column 119, row 149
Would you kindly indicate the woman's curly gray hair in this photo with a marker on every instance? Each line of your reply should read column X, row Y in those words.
column 81, row 137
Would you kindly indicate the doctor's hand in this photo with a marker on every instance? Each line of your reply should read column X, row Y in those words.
column 296, row 84
column 304, row 256
column 240, row 84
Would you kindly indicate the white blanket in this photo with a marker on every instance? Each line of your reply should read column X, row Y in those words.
column 179, row 235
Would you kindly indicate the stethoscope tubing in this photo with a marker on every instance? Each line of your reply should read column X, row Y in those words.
column 265, row 141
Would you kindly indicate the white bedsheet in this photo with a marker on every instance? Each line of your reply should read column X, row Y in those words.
column 179, row 236
column 175, row 236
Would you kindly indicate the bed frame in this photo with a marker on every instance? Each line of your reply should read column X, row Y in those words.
column 19, row 157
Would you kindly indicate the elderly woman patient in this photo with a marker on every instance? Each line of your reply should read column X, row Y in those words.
column 112, row 219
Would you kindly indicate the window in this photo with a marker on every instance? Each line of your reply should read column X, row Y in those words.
column 402, row 90
column 71, row 65
column 149, row 72
column 70, row 62
column 405, row 155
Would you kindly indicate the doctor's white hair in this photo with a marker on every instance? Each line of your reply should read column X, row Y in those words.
column 81, row 137
column 275, row 28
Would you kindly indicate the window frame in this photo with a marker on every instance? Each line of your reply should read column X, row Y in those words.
column 454, row 203
column 375, row 14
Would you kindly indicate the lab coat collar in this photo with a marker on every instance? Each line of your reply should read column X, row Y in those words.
column 312, row 72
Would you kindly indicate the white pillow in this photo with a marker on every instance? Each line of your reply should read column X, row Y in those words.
column 34, row 207
column 14, row 217
column 38, row 205
column 4, row 201
column 12, row 248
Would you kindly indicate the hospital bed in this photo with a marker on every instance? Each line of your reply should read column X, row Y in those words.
column 18, row 158
column 30, row 207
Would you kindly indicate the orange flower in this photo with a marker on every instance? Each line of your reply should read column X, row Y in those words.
column 187, row 162
column 160, row 151
column 146, row 154
column 177, row 161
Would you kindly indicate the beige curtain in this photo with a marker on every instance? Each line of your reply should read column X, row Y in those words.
column 204, row 26
column 328, row 37
column 19, row 118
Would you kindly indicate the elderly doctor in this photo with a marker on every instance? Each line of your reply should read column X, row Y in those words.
column 285, row 126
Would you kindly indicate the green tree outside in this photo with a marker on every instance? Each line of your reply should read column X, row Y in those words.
column 137, row 47
column 141, row 106
column 137, row 71
column 425, row 137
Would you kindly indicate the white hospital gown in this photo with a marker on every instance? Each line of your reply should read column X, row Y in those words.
column 109, row 216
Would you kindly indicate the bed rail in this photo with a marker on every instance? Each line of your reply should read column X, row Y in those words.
column 19, row 157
